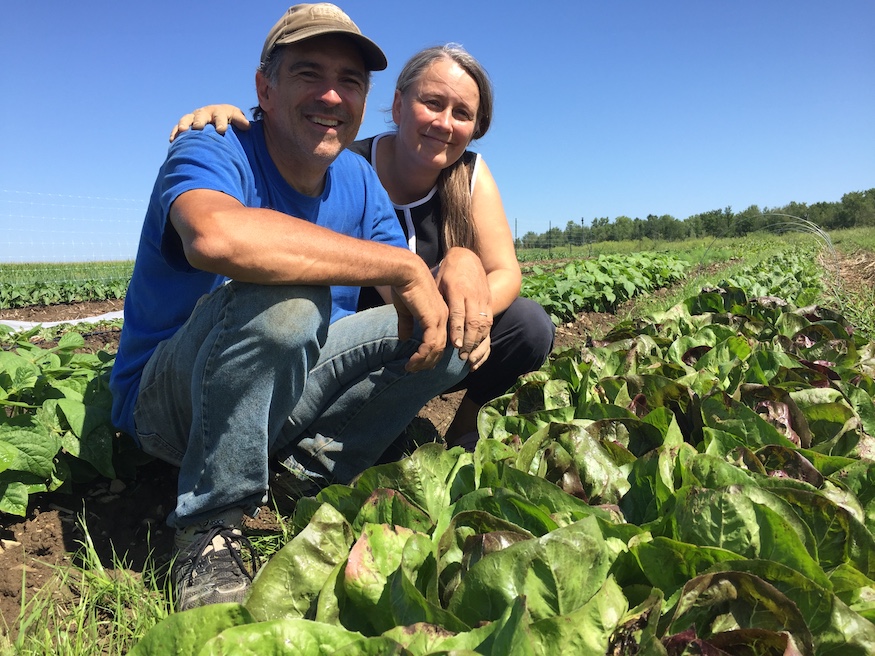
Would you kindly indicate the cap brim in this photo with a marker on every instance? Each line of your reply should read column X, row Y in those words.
column 373, row 56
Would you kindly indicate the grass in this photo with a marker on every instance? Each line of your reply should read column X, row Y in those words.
column 854, row 239
column 88, row 609
column 857, row 305
column 700, row 250
column 856, row 302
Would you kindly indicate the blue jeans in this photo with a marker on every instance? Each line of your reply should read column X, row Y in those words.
column 257, row 373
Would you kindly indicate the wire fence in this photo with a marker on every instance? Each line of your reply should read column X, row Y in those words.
column 56, row 238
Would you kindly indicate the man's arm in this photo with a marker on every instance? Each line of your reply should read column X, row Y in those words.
column 263, row 246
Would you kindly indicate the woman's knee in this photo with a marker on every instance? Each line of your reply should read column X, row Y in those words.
column 528, row 327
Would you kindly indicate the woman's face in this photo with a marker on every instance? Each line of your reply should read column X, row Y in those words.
column 437, row 115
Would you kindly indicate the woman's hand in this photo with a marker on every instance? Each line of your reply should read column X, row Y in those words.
column 462, row 282
column 480, row 354
column 219, row 115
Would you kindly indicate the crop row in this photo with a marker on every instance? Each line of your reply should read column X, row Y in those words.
column 18, row 295
column 698, row 482
column 56, row 427
column 601, row 284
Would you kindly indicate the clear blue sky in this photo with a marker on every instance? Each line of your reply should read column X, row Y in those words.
column 603, row 108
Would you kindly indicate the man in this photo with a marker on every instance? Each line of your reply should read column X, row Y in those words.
column 242, row 357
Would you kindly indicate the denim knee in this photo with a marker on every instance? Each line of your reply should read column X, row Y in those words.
column 281, row 315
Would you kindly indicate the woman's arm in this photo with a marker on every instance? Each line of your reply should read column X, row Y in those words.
column 219, row 115
column 495, row 241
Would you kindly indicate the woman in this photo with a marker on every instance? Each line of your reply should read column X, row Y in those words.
column 450, row 209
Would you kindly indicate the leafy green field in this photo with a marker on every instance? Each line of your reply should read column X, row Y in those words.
column 700, row 479
column 23, row 285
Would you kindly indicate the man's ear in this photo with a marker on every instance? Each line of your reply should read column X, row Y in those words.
column 396, row 107
column 262, row 89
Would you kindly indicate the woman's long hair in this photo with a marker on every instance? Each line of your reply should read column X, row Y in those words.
column 454, row 188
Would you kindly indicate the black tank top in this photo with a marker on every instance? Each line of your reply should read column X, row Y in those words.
column 420, row 220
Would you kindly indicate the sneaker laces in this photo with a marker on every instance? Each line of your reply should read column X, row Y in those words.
column 234, row 541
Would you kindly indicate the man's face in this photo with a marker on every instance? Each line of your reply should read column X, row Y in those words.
column 316, row 106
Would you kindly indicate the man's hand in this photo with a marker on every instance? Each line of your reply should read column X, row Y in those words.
column 462, row 282
column 420, row 301
column 218, row 115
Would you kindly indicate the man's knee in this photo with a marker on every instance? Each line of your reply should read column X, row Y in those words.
column 283, row 316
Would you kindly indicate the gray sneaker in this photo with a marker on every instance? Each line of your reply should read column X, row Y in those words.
column 212, row 569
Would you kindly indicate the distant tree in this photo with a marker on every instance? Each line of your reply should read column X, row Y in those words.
column 531, row 240
column 554, row 238
column 857, row 209
column 793, row 208
column 574, row 233
column 826, row 215
column 672, row 229
column 747, row 221
column 624, row 228
column 713, row 223
column 600, row 229
column 652, row 227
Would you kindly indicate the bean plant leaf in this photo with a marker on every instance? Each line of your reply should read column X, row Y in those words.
column 34, row 447
column 13, row 496
column 8, row 456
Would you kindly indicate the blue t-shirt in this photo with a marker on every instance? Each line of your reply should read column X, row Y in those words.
column 164, row 287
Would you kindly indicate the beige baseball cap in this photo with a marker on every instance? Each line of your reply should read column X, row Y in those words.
column 305, row 21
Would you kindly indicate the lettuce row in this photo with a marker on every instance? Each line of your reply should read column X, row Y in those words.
column 700, row 482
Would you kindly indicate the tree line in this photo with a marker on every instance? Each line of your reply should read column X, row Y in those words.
column 856, row 209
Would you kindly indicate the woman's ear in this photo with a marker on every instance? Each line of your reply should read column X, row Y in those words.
column 396, row 106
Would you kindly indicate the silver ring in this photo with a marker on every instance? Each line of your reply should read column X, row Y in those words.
column 484, row 314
